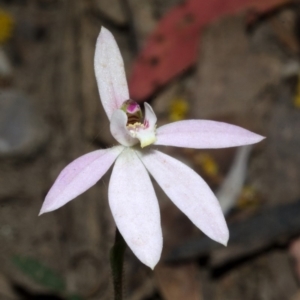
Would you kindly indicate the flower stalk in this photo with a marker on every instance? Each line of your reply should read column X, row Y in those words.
column 116, row 262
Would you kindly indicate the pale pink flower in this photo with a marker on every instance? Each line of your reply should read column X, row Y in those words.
column 132, row 198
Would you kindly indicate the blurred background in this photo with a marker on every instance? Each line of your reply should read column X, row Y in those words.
column 228, row 60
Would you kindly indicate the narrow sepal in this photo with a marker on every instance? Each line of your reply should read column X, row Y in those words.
column 110, row 73
column 204, row 134
column 189, row 192
column 135, row 208
column 78, row 176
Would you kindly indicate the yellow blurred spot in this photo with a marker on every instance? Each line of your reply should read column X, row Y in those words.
column 6, row 26
column 208, row 164
column 248, row 198
column 178, row 109
column 296, row 101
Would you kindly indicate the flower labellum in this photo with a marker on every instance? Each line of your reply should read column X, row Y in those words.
column 135, row 209
column 137, row 127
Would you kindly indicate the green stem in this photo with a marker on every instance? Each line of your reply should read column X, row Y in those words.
column 116, row 262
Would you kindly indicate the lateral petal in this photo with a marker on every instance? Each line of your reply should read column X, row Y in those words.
column 118, row 128
column 135, row 208
column 78, row 176
column 189, row 192
column 204, row 134
column 110, row 73
column 150, row 116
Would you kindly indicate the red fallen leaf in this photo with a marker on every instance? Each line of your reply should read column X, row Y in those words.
column 173, row 46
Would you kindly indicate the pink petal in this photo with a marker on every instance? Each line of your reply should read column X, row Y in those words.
column 118, row 128
column 189, row 192
column 204, row 134
column 110, row 74
column 135, row 208
column 78, row 176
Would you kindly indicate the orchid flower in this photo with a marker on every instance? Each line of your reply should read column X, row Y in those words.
column 131, row 195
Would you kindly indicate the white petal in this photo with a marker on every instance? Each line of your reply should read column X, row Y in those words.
column 204, row 134
column 150, row 115
column 118, row 129
column 189, row 192
column 135, row 208
column 78, row 176
column 110, row 73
